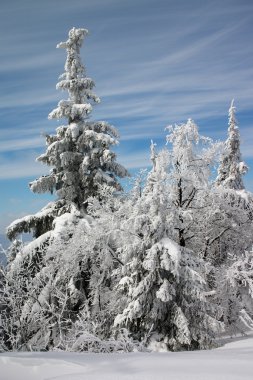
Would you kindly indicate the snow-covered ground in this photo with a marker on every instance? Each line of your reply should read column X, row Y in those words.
column 234, row 361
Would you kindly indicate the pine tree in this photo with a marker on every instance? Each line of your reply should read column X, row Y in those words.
column 231, row 168
column 79, row 153
column 234, row 210
column 57, row 270
column 161, row 295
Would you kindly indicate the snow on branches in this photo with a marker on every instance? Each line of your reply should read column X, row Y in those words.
column 231, row 168
column 166, row 266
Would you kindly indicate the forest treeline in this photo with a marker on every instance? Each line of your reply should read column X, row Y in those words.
column 167, row 265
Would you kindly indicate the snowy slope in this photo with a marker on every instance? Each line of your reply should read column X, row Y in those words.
column 234, row 361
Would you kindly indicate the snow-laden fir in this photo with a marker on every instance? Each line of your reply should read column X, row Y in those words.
column 167, row 266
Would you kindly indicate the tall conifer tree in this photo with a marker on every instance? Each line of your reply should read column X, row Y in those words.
column 232, row 168
column 79, row 153
column 53, row 272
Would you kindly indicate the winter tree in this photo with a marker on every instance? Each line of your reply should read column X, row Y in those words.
column 230, row 232
column 234, row 292
column 167, row 265
column 192, row 159
column 161, row 294
column 214, row 222
column 55, row 269
column 232, row 168
column 79, row 153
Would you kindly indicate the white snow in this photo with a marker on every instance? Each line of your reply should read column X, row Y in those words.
column 234, row 361
column 173, row 248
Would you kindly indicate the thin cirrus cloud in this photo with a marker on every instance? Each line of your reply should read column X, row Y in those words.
column 153, row 65
column 196, row 88
column 154, row 62
column 22, row 165
column 16, row 144
column 139, row 159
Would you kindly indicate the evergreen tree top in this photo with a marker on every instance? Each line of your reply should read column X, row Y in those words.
column 74, row 81
column 231, row 168
column 79, row 153
column 233, row 129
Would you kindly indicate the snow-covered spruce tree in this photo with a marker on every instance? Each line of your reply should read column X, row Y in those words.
column 79, row 153
column 234, row 199
column 161, row 295
column 55, row 267
column 234, row 214
column 232, row 168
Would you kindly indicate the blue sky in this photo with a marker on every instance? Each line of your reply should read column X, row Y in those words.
column 155, row 62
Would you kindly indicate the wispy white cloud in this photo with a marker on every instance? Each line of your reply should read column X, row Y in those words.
column 140, row 159
column 16, row 144
column 27, row 129
column 155, row 63
column 29, row 97
column 247, row 142
column 21, row 165
column 27, row 63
